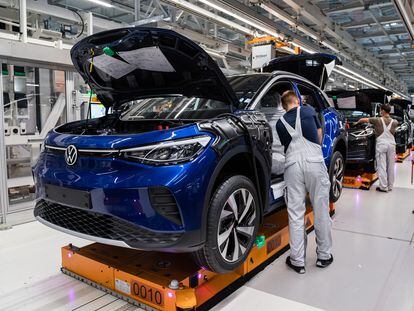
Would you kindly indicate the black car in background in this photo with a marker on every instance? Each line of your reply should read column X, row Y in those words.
column 411, row 112
column 402, row 131
column 361, row 138
column 400, row 112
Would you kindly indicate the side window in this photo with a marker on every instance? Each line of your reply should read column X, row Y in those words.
column 271, row 105
column 309, row 96
column 273, row 97
column 376, row 109
column 325, row 100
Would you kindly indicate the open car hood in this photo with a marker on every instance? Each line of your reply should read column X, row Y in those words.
column 377, row 95
column 400, row 105
column 125, row 64
column 315, row 67
column 351, row 100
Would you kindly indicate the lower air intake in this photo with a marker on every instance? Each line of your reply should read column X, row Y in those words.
column 102, row 226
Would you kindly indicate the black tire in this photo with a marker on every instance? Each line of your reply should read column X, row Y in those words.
column 336, row 175
column 221, row 218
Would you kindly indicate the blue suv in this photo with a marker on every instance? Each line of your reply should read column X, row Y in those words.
column 182, row 161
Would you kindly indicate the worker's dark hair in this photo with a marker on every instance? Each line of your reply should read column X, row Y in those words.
column 386, row 108
column 287, row 97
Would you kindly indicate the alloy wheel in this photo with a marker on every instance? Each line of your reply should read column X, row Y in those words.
column 338, row 177
column 236, row 225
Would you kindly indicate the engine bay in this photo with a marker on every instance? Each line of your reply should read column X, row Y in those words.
column 113, row 125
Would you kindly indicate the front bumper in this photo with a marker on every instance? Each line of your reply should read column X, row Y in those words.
column 131, row 204
column 401, row 139
column 400, row 148
column 112, row 230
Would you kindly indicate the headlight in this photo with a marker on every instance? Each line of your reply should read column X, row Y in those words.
column 401, row 128
column 362, row 133
column 170, row 152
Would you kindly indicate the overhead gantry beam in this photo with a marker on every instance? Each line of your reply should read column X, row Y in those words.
column 355, row 54
column 368, row 22
column 405, row 9
column 386, row 44
column 377, row 34
column 352, row 7
column 315, row 15
column 392, row 51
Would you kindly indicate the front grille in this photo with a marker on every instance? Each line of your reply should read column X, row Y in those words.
column 84, row 153
column 164, row 203
column 102, row 226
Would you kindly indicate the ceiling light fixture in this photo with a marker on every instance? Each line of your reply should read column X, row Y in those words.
column 278, row 13
column 210, row 15
column 196, row 9
column 102, row 3
column 353, row 77
column 270, row 8
column 241, row 18
column 362, row 77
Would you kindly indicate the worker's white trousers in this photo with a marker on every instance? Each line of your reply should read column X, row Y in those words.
column 385, row 155
column 302, row 176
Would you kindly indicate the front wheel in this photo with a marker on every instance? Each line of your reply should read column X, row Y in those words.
column 232, row 224
column 336, row 175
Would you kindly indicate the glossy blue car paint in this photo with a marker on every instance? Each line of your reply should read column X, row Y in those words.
column 120, row 187
column 121, row 141
column 331, row 133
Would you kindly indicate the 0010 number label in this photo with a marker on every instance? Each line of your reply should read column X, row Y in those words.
column 147, row 293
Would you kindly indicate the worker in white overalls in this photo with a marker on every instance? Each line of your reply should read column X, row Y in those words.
column 384, row 128
column 305, row 172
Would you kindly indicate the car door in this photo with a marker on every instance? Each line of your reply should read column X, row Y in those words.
column 268, row 101
column 310, row 95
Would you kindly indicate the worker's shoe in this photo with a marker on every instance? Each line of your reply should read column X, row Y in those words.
column 323, row 263
column 297, row 269
column 380, row 190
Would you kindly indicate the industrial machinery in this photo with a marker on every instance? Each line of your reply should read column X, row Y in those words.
column 170, row 282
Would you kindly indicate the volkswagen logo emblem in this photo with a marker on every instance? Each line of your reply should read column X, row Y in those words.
column 71, row 155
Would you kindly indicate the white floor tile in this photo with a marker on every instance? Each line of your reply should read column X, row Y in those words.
column 355, row 280
column 373, row 267
column 403, row 173
column 376, row 213
column 396, row 292
column 248, row 299
column 30, row 253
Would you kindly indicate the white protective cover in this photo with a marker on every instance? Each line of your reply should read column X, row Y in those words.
column 273, row 114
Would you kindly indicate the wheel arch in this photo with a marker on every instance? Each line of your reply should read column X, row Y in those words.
column 227, row 166
column 341, row 146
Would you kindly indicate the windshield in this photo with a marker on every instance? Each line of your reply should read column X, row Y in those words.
column 354, row 115
column 174, row 107
column 246, row 86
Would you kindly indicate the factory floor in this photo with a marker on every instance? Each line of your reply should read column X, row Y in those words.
column 373, row 236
